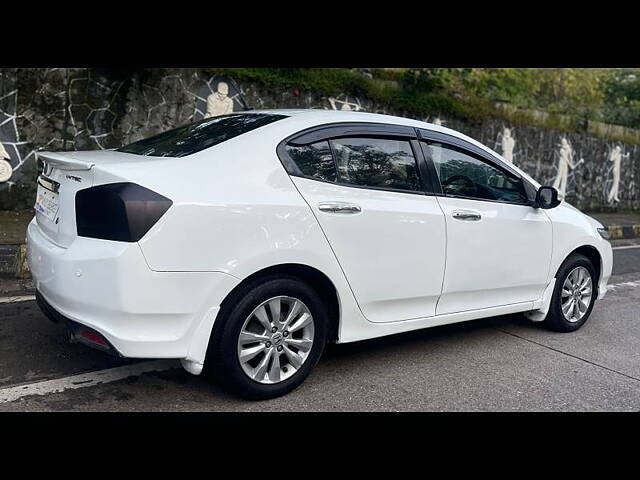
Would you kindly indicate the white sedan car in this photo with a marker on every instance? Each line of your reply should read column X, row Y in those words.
column 243, row 243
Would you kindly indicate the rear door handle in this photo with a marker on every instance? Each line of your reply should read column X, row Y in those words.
column 466, row 215
column 339, row 207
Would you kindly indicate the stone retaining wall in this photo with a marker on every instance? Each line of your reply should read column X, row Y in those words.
column 80, row 109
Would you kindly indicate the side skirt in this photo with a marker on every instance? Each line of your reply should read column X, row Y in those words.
column 374, row 330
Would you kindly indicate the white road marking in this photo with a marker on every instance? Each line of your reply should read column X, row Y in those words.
column 625, row 247
column 633, row 284
column 19, row 298
column 83, row 380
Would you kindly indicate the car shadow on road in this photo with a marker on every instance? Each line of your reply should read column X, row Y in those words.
column 193, row 390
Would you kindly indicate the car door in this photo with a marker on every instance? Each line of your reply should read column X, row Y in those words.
column 498, row 246
column 365, row 187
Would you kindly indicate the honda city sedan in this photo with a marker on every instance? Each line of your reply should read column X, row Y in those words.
column 241, row 244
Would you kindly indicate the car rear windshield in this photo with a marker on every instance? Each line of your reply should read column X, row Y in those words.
column 197, row 136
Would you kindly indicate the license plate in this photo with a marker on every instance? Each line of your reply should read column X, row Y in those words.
column 47, row 203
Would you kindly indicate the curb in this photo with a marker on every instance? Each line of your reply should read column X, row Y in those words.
column 623, row 232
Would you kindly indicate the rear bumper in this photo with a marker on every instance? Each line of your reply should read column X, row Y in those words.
column 108, row 287
column 73, row 328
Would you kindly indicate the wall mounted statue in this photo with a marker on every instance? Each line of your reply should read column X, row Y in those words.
column 5, row 167
column 565, row 162
column 218, row 102
column 345, row 104
column 615, row 156
column 218, row 96
column 9, row 138
column 507, row 143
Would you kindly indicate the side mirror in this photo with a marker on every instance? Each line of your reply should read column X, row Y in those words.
column 547, row 197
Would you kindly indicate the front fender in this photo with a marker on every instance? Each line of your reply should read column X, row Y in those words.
column 572, row 230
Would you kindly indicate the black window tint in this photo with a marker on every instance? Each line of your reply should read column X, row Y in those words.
column 314, row 160
column 194, row 137
column 377, row 163
column 462, row 175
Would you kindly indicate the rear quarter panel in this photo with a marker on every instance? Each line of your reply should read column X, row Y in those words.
column 236, row 211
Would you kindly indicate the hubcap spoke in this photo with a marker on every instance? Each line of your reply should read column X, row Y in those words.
column 293, row 313
column 274, row 307
column 261, row 369
column 294, row 359
column 261, row 315
column 301, row 344
column 250, row 337
column 303, row 321
column 567, row 307
column 249, row 353
column 584, row 305
column 572, row 278
column 274, row 371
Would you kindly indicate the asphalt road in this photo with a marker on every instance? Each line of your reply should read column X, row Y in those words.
column 497, row 364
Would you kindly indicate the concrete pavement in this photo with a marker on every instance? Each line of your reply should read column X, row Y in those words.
column 503, row 363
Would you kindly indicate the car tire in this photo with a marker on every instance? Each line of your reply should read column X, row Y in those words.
column 577, row 267
column 238, row 315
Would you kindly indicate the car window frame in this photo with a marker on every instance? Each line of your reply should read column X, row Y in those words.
column 331, row 131
column 428, row 136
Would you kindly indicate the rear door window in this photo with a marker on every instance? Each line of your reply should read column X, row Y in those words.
column 377, row 163
column 197, row 136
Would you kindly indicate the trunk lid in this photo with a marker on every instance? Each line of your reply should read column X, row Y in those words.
column 64, row 174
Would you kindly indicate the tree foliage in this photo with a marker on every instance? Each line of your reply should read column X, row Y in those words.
column 609, row 95
column 622, row 97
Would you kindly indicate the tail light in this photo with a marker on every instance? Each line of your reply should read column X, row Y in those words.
column 118, row 211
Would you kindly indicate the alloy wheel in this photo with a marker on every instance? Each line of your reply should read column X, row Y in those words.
column 276, row 339
column 576, row 294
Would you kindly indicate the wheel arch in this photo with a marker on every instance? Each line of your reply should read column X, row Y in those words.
column 592, row 254
column 315, row 278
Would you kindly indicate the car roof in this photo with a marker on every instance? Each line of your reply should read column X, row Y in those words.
column 351, row 116
column 326, row 116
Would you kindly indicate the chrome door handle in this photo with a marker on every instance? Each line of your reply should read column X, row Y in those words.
column 468, row 216
column 339, row 207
